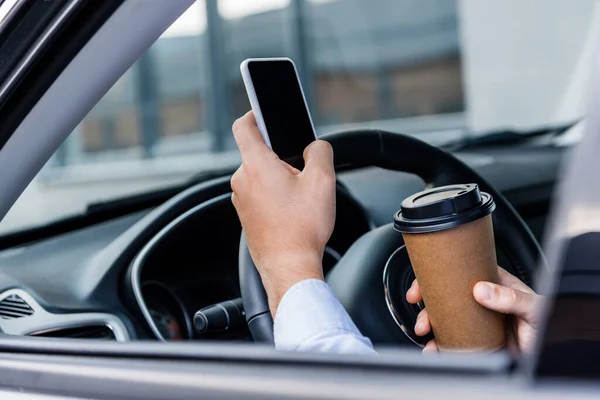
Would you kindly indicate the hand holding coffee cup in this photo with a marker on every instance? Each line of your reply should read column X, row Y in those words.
column 510, row 296
column 449, row 237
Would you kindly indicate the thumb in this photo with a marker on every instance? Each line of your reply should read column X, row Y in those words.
column 507, row 300
column 318, row 157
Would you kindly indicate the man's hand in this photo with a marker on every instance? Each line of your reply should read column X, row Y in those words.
column 510, row 297
column 287, row 214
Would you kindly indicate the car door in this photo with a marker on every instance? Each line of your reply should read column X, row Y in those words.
column 47, row 89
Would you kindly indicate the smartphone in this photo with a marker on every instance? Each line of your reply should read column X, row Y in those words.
column 279, row 106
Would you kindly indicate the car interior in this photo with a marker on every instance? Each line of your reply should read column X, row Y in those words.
column 152, row 268
column 140, row 267
column 141, row 263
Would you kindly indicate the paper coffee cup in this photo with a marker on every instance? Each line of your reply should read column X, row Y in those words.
column 449, row 236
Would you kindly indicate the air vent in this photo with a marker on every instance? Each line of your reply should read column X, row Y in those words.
column 98, row 332
column 14, row 306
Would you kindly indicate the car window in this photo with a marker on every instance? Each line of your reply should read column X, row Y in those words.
column 423, row 68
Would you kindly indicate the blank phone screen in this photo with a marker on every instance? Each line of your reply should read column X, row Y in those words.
column 283, row 109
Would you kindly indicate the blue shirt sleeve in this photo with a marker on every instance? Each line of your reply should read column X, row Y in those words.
column 310, row 318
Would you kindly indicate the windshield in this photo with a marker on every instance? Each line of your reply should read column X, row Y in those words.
column 441, row 70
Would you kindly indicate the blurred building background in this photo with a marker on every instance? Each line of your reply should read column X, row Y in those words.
column 438, row 69
column 359, row 61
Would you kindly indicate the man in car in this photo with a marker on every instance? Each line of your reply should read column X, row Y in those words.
column 288, row 216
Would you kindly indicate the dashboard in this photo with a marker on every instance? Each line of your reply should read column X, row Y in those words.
column 144, row 275
column 171, row 278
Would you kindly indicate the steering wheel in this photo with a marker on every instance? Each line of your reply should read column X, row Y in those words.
column 357, row 278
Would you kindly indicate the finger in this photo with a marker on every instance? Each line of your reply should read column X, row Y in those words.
column 511, row 281
column 507, row 300
column 293, row 170
column 512, row 336
column 431, row 347
column 248, row 137
column 318, row 157
column 237, row 179
column 423, row 324
column 413, row 294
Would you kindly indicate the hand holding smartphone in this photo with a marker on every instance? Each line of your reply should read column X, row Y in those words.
column 279, row 106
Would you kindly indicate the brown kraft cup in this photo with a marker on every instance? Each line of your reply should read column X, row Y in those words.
column 449, row 236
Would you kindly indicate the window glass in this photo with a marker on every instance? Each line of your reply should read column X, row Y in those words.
column 418, row 67
column 369, row 63
column 156, row 108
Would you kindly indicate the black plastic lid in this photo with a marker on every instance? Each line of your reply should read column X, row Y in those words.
column 442, row 208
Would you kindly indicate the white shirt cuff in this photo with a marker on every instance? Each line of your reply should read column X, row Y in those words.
column 310, row 318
